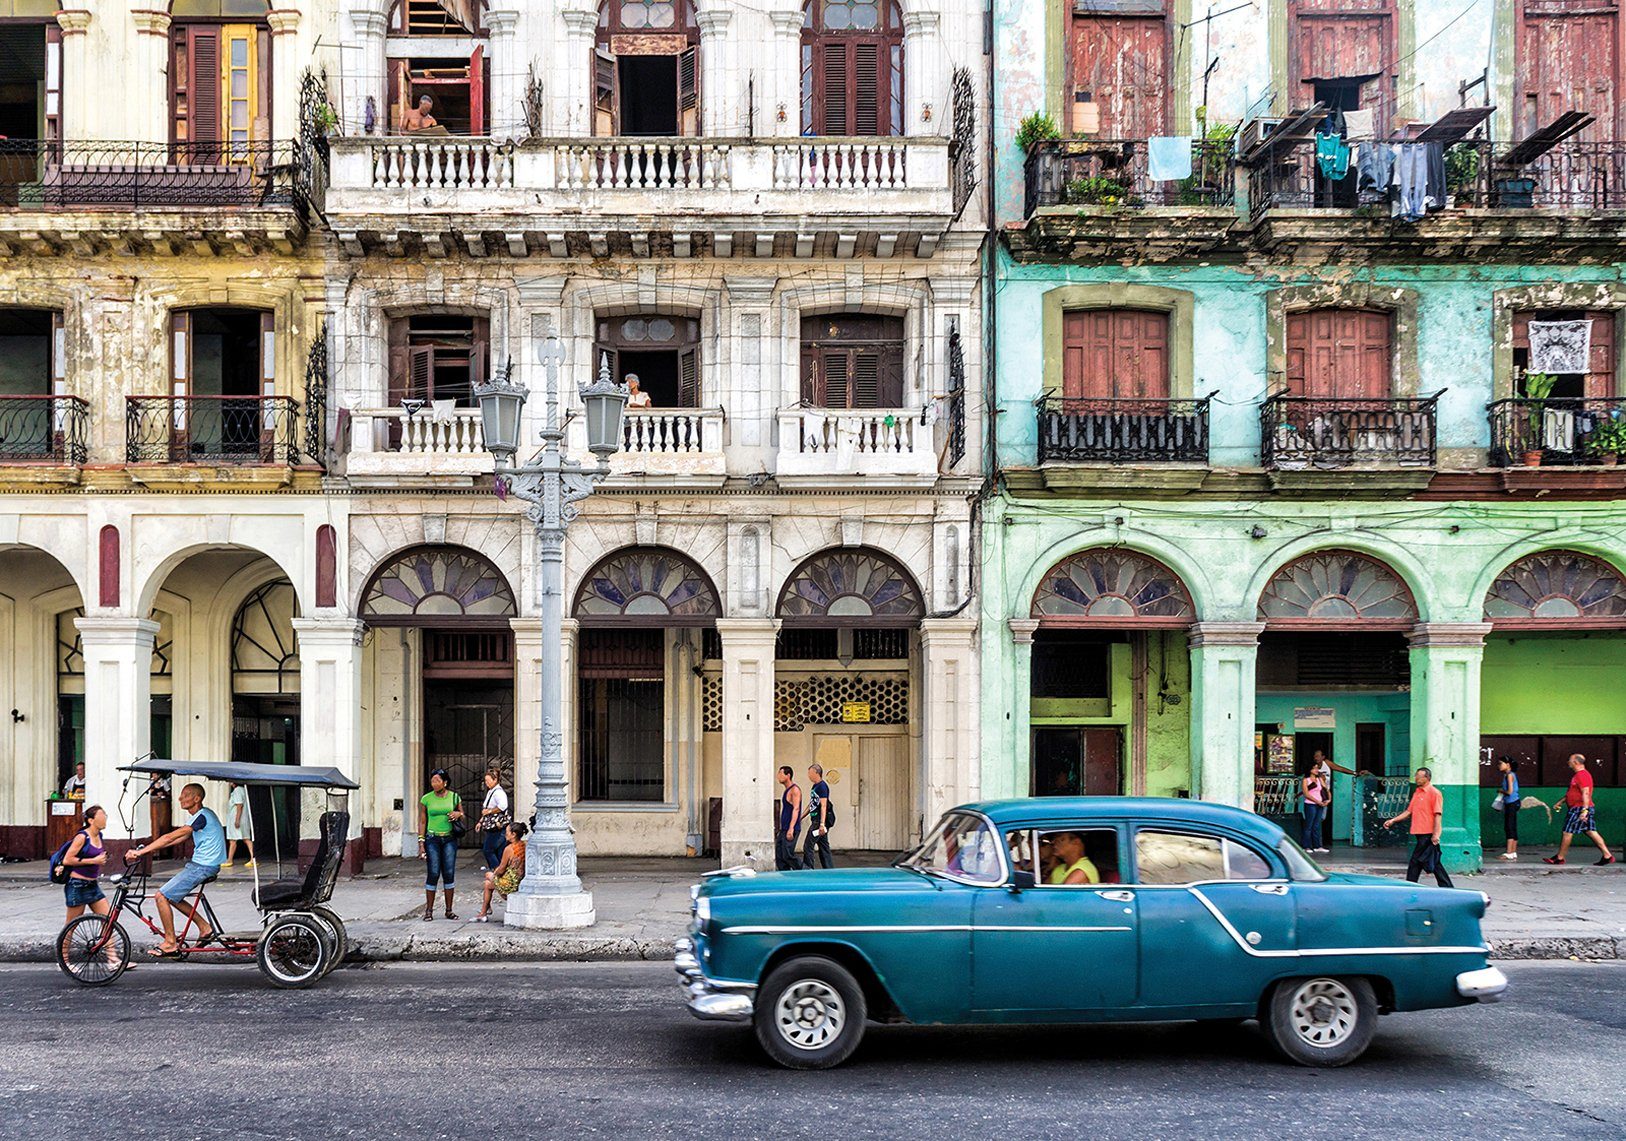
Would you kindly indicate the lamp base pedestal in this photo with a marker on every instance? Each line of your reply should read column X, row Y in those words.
column 550, row 912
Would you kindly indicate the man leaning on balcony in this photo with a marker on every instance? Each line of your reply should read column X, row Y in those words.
column 418, row 120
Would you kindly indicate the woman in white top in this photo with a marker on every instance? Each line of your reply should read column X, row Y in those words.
column 1324, row 766
column 494, row 818
column 238, row 826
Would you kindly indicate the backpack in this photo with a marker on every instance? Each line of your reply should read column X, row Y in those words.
column 59, row 872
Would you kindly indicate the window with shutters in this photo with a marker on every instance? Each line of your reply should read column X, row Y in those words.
column 621, row 704
column 1340, row 354
column 440, row 54
column 1118, row 73
column 30, row 353
column 30, row 86
column 219, row 80
column 1346, row 52
column 1599, row 380
column 852, row 361
column 1567, row 58
column 852, row 68
column 437, row 358
column 1115, row 354
column 646, row 69
column 661, row 352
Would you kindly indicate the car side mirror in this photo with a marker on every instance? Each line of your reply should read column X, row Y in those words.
column 1021, row 881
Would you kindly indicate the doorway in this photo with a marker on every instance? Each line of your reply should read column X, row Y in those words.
column 1077, row 761
column 649, row 94
column 468, row 728
column 868, row 775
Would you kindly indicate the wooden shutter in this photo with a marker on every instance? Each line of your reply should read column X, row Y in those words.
column 865, row 379
column 1567, row 60
column 604, row 351
column 1120, row 68
column 180, row 385
column 689, row 378
column 831, row 112
column 890, row 393
column 1115, row 354
column 203, row 91
column 400, row 94
column 420, row 378
column 400, row 365
column 689, row 92
column 866, row 88
column 836, row 374
column 480, row 357
column 606, row 121
column 268, row 386
column 477, row 91
column 53, row 83
column 1345, row 39
column 59, row 354
column 812, row 376
column 1340, row 354
column 1599, row 383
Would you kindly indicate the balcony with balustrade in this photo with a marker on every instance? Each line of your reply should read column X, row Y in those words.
column 638, row 196
column 196, row 440
column 1099, row 443
column 43, row 439
column 839, row 448
column 1319, row 442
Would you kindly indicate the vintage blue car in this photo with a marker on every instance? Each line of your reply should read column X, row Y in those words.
column 1100, row 909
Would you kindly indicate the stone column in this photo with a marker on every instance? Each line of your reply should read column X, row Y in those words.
column 571, row 80
column 287, row 61
column 330, row 714
column 527, row 706
column 780, row 81
column 118, row 714
column 925, row 75
column 1445, row 661
column 949, row 709
column 362, row 74
column 748, row 744
column 145, row 100
column 506, row 117
column 76, row 72
column 1013, row 776
column 1224, row 661
column 718, row 116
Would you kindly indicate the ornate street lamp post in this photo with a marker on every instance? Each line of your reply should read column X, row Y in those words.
column 551, row 893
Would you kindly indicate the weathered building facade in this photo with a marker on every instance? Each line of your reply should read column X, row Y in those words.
column 1282, row 472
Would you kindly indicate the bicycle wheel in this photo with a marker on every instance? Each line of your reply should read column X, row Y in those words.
column 293, row 952
column 337, row 938
column 92, row 950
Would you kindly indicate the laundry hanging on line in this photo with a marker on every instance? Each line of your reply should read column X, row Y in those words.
column 1560, row 346
column 1168, row 158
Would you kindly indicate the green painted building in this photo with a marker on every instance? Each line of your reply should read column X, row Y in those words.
column 1278, row 473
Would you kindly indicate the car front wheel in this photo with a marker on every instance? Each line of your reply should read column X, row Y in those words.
column 810, row 1014
column 1321, row 1021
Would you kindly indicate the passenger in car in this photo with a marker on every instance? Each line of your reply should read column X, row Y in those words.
column 1073, row 867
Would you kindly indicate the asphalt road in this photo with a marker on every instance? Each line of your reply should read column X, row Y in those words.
column 573, row 1050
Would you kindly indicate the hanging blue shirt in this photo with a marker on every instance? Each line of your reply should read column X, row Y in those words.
column 1332, row 156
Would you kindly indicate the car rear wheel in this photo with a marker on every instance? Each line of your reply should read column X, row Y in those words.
column 810, row 1014
column 1321, row 1021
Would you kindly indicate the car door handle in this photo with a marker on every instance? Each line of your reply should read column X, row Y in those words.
column 1117, row 896
column 1269, row 888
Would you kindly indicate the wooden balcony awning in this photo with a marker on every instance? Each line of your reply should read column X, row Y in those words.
column 1296, row 130
column 1529, row 150
column 1453, row 126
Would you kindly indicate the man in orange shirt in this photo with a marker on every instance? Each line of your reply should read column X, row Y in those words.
column 1427, row 812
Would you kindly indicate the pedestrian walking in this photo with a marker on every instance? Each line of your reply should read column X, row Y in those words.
column 84, row 860
column 440, row 819
column 1314, row 790
column 495, row 817
column 504, row 878
column 790, row 820
column 239, row 829
column 820, row 815
column 1427, row 814
column 1581, row 815
column 1509, row 800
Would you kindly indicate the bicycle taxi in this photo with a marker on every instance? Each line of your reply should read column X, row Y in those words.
column 300, row 938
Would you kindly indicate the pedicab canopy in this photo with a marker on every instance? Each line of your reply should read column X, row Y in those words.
column 308, row 776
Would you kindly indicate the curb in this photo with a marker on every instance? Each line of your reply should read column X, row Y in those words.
column 497, row 949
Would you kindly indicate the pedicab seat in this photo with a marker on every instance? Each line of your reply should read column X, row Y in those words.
column 296, row 893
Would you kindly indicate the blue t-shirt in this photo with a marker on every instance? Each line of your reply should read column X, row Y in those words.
column 208, row 839
column 821, row 792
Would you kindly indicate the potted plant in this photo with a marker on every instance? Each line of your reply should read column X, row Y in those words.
column 1462, row 172
column 1098, row 190
column 1039, row 127
column 1608, row 441
column 1538, row 386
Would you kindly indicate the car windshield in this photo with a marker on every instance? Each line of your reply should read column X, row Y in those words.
column 961, row 847
column 1299, row 865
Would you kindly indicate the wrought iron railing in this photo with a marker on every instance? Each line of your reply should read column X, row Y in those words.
column 43, row 429
column 1085, row 430
column 1275, row 796
column 1289, row 178
column 211, row 429
column 37, row 174
column 1114, row 172
column 1557, row 430
column 1298, row 432
column 956, row 397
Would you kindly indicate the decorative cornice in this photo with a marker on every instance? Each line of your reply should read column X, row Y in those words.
column 501, row 23
column 283, row 20
column 1469, row 634
column 750, row 290
column 74, row 21
column 1226, row 634
column 541, row 290
column 579, row 22
column 149, row 22
column 1023, row 629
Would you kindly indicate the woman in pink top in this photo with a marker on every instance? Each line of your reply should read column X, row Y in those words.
column 1314, row 789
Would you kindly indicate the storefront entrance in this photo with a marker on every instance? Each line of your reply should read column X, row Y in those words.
column 1077, row 761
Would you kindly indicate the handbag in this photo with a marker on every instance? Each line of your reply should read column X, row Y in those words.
column 1499, row 804
column 458, row 827
column 495, row 821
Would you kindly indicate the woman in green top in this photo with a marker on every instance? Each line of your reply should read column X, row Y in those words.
column 439, row 807
column 1073, row 867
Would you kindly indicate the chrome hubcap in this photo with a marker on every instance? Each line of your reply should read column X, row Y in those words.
column 809, row 1014
column 1323, row 1013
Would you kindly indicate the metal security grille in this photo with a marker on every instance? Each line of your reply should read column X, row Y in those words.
column 817, row 700
column 623, row 753
column 711, row 705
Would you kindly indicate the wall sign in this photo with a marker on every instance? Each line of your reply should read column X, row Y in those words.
column 1279, row 754
column 855, row 713
column 1315, row 717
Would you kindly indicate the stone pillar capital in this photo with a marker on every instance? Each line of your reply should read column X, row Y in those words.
column 714, row 21
column 370, row 23
column 921, row 23
column 283, row 21
column 150, row 23
column 1470, row 634
column 787, row 21
column 1023, row 629
column 1226, row 634
column 580, row 21
column 74, row 21
column 116, row 631
column 948, row 630
column 330, row 632
column 746, row 633
column 501, row 22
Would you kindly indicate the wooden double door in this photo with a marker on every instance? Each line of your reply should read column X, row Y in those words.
column 1077, row 760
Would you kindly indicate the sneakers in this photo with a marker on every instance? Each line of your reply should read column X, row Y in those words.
column 1605, row 862
column 1508, row 856
column 1552, row 860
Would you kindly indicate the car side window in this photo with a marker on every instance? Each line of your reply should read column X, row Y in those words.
column 1020, row 846
column 1165, row 858
column 1078, row 857
column 962, row 847
column 1243, row 863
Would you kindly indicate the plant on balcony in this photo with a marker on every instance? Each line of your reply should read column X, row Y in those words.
column 1538, row 386
column 1098, row 190
column 1206, row 186
column 1608, row 441
column 1462, row 172
column 1039, row 127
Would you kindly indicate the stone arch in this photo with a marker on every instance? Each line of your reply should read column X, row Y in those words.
column 850, row 586
column 1335, row 588
column 1557, row 589
column 80, row 571
column 1106, row 587
column 647, row 586
column 148, row 585
column 1191, row 576
column 438, row 584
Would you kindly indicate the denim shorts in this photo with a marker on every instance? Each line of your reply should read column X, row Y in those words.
column 82, row 893
column 186, row 881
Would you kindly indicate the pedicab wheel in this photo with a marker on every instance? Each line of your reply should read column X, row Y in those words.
column 92, row 950
column 338, row 941
column 293, row 951
column 810, row 1014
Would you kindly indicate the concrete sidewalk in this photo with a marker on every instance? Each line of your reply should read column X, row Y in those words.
column 1537, row 912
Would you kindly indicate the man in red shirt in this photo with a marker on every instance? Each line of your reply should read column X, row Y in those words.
column 1427, row 814
column 1582, row 815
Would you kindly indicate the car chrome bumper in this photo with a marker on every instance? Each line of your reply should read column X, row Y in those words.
column 706, row 1000
column 1484, row 985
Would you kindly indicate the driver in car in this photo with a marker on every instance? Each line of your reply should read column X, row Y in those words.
column 208, row 851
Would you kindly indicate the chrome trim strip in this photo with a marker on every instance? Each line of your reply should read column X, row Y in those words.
column 880, row 929
column 1318, row 952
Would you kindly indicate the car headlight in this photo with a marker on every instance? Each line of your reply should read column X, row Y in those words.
column 702, row 909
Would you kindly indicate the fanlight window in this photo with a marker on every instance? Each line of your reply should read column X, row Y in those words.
column 658, row 586
column 1112, row 586
column 1558, row 587
column 264, row 647
column 1337, row 587
column 438, row 584
column 847, row 587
